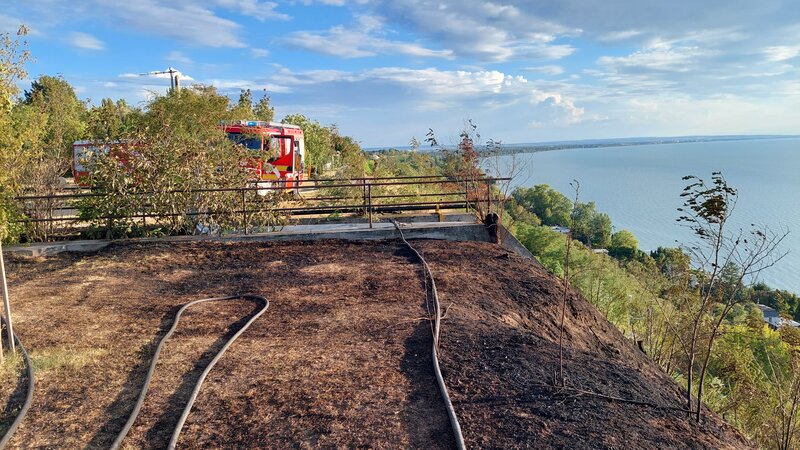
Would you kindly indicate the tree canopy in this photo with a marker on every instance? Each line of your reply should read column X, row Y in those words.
column 549, row 205
column 64, row 113
column 624, row 239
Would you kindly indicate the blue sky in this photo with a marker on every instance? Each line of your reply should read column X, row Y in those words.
column 387, row 70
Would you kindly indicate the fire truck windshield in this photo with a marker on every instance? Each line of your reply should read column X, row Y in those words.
column 252, row 142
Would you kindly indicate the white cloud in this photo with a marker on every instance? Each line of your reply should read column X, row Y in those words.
column 781, row 52
column 236, row 85
column 720, row 61
column 179, row 57
column 358, row 42
column 547, row 70
column 330, row 2
column 563, row 111
column 368, row 22
column 643, row 64
column 286, row 76
column 85, row 41
column 501, row 30
column 253, row 8
column 486, row 31
column 189, row 21
column 10, row 24
column 659, row 56
column 259, row 52
column 186, row 21
column 448, row 83
column 618, row 35
column 159, row 74
column 716, row 114
column 428, row 89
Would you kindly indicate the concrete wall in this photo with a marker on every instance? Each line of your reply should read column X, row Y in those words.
column 460, row 230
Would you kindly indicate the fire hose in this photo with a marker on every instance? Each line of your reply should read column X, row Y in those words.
column 437, row 308
column 137, row 408
column 28, row 397
column 187, row 409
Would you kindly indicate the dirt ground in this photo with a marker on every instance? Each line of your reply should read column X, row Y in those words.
column 340, row 360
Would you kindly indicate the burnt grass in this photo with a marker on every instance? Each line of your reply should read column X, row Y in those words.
column 340, row 360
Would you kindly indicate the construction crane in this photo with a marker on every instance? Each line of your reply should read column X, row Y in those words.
column 174, row 80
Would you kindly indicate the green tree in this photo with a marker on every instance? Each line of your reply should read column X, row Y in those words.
column 591, row 227
column 353, row 162
column 519, row 214
column 194, row 111
column 318, row 139
column 244, row 107
column 624, row 239
column 726, row 261
column 36, row 137
column 178, row 147
column 790, row 335
column 111, row 120
column 672, row 262
column 63, row 117
column 624, row 246
column 549, row 205
column 246, row 110
column 13, row 56
column 263, row 110
column 66, row 115
column 546, row 244
column 787, row 303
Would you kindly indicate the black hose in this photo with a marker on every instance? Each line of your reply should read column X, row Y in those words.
column 451, row 412
column 188, row 407
column 28, row 397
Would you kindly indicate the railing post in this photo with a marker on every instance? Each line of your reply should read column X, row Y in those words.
column 244, row 210
column 466, row 197
column 488, row 197
column 49, row 225
column 364, row 194
column 369, row 197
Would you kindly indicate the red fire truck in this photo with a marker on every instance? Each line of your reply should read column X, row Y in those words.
column 85, row 152
column 278, row 149
column 277, row 152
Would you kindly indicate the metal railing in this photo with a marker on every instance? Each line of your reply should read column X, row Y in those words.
column 363, row 197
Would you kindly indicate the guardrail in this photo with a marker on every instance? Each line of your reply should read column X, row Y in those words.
column 357, row 196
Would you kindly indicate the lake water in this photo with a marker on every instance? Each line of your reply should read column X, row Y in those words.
column 639, row 187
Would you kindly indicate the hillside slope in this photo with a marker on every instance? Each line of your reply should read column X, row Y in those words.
column 500, row 349
column 342, row 357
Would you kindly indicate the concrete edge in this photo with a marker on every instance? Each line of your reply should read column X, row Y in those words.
column 444, row 218
column 52, row 248
column 452, row 231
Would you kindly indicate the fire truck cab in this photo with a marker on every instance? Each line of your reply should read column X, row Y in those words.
column 278, row 150
column 86, row 152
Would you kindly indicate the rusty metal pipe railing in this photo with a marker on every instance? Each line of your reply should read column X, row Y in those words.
column 309, row 210
column 456, row 193
column 264, row 188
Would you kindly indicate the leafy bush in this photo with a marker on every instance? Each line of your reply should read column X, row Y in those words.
column 158, row 169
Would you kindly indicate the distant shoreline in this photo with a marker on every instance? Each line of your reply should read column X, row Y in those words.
column 511, row 149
